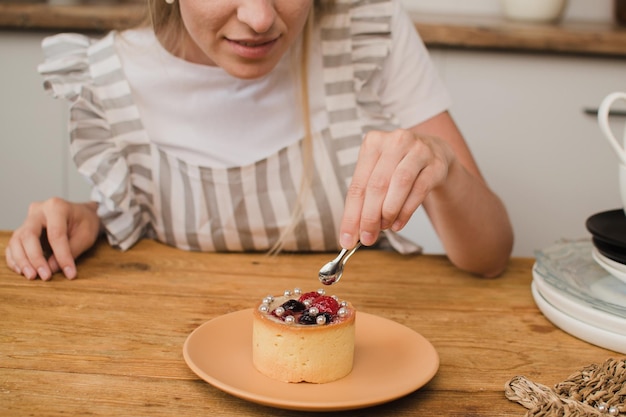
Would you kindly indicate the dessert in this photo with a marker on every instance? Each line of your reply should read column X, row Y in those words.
column 303, row 337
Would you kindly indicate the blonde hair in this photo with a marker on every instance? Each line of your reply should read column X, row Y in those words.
column 167, row 23
column 307, row 142
column 320, row 8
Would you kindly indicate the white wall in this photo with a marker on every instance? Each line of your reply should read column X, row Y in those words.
column 33, row 139
column 523, row 117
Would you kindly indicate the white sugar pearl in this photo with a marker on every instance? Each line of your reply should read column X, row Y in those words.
column 264, row 308
column 314, row 311
column 279, row 311
column 613, row 411
column 297, row 291
column 342, row 312
column 321, row 319
column 289, row 320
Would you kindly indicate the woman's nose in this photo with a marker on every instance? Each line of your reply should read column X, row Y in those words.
column 258, row 14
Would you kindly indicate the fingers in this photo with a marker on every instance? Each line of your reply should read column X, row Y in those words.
column 351, row 223
column 24, row 253
column 405, row 193
column 44, row 234
column 380, row 206
column 58, row 239
column 394, row 174
column 8, row 256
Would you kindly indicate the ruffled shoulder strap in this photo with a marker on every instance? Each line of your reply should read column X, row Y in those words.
column 356, row 40
column 371, row 45
column 66, row 63
column 107, row 140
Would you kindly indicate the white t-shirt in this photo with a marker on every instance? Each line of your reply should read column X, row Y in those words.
column 223, row 121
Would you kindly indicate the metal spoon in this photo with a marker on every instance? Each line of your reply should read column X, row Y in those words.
column 333, row 270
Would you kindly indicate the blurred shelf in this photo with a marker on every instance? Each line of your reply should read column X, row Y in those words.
column 438, row 31
column 495, row 33
column 95, row 15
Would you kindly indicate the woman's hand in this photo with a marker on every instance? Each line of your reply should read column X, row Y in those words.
column 431, row 165
column 63, row 229
column 394, row 174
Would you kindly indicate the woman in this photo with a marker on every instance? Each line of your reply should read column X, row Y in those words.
column 260, row 125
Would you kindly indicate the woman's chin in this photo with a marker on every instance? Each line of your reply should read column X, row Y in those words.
column 249, row 70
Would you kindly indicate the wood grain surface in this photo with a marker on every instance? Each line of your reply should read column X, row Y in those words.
column 110, row 342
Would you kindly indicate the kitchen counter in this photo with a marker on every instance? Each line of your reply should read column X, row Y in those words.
column 441, row 31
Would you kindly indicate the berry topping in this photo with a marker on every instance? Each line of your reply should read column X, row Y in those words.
column 307, row 318
column 310, row 296
column 326, row 304
column 294, row 306
column 311, row 308
column 327, row 318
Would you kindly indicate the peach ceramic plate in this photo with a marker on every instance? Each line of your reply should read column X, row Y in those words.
column 390, row 361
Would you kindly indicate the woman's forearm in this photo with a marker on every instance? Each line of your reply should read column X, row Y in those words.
column 472, row 223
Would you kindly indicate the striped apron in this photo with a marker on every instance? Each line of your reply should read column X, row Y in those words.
column 143, row 191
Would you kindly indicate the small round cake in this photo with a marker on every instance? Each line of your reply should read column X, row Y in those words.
column 303, row 337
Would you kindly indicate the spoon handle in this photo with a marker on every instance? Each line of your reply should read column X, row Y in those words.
column 349, row 253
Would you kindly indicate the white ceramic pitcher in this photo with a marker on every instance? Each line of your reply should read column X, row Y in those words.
column 618, row 145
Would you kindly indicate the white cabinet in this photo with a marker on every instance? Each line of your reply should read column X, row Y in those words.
column 522, row 115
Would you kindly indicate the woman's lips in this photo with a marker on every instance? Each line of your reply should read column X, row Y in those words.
column 252, row 49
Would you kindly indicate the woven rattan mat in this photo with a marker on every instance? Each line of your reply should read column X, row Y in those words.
column 595, row 390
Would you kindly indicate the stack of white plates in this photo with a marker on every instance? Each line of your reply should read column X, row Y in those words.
column 575, row 290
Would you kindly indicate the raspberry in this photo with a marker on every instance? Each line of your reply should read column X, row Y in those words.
column 308, row 296
column 326, row 304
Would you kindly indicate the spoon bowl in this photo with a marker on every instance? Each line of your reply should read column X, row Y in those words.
column 333, row 270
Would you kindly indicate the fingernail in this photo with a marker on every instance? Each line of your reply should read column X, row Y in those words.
column 54, row 266
column 346, row 240
column 69, row 272
column 29, row 272
column 397, row 226
column 367, row 238
column 43, row 274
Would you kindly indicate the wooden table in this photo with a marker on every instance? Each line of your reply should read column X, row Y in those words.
column 110, row 342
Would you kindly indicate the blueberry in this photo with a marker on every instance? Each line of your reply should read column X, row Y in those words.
column 307, row 318
column 294, row 306
column 329, row 317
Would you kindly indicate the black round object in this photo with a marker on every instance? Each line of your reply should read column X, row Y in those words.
column 609, row 227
